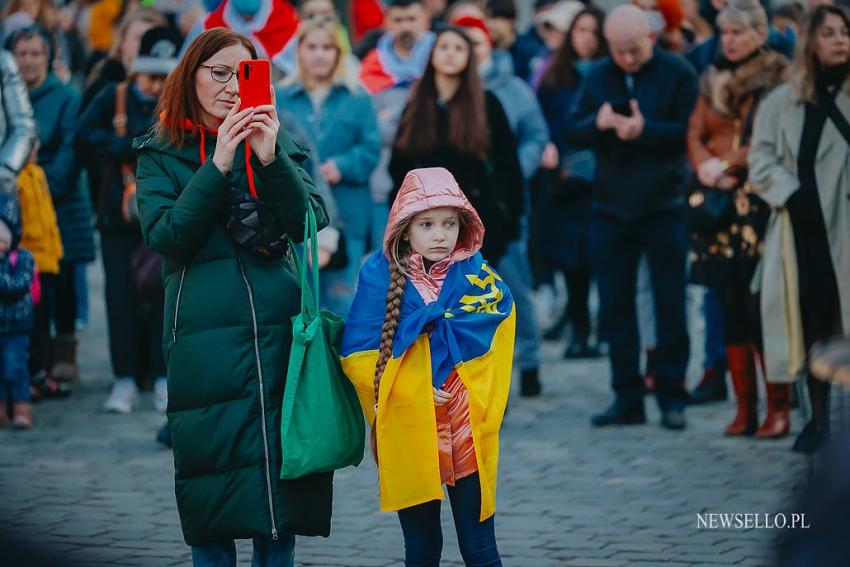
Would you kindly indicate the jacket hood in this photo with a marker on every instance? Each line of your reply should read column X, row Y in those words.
column 431, row 188
column 500, row 69
column 10, row 214
column 51, row 82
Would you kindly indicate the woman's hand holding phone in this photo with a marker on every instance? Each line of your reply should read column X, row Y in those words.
column 263, row 128
column 231, row 132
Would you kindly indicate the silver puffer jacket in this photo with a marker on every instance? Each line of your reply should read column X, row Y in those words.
column 17, row 127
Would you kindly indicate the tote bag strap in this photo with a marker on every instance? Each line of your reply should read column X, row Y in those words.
column 310, row 300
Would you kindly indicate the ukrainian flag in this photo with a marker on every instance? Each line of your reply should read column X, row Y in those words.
column 471, row 326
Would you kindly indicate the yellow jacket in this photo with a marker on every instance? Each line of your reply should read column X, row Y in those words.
column 38, row 220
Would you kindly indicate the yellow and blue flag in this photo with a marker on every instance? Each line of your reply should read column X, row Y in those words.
column 470, row 329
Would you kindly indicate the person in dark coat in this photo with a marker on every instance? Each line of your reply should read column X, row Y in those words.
column 633, row 110
column 56, row 108
column 228, row 312
column 452, row 122
column 119, row 113
column 565, row 210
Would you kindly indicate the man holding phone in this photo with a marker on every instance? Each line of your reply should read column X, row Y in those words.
column 633, row 111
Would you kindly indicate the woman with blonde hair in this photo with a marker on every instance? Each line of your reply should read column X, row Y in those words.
column 725, row 255
column 800, row 165
column 337, row 113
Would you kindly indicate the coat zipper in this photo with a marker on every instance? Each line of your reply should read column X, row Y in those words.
column 262, row 398
column 177, row 306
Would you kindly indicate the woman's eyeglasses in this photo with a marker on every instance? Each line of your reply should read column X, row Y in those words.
column 220, row 73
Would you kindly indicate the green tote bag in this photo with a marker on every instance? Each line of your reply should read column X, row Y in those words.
column 322, row 425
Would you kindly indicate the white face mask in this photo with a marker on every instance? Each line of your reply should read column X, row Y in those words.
column 657, row 23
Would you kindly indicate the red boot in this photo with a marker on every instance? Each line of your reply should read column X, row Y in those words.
column 777, row 422
column 742, row 367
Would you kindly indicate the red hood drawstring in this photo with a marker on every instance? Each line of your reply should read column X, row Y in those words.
column 187, row 125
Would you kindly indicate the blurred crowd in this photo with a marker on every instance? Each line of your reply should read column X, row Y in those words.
column 659, row 145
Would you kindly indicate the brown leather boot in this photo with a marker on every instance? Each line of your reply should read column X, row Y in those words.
column 777, row 422
column 742, row 367
column 65, row 367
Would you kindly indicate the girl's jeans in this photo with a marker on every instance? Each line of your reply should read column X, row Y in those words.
column 267, row 553
column 14, row 372
column 423, row 535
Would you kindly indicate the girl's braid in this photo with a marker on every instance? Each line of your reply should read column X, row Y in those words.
column 398, row 281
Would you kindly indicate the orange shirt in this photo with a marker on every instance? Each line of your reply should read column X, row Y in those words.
column 454, row 434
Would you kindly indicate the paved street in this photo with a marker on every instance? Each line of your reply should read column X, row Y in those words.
column 96, row 488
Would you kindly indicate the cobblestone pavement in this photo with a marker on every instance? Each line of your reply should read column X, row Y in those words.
column 96, row 488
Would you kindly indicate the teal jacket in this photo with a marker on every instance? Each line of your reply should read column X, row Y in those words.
column 227, row 336
column 344, row 129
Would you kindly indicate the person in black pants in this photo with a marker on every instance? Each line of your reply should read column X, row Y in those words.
column 633, row 111
column 134, row 310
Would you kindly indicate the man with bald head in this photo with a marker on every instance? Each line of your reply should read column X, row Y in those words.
column 633, row 111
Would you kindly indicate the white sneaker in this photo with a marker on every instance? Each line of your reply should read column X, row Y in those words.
column 160, row 394
column 123, row 396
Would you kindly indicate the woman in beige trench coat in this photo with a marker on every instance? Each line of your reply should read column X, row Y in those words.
column 800, row 165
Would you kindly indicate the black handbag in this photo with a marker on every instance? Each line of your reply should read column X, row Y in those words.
column 253, row 227
column 709, row 209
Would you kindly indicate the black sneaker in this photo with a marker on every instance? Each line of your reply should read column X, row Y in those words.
column 164, row 435
column 673, row 420
column 712, row 387
column 581, row 349
column 813, row 436
column 529, row 385
column 620, row 414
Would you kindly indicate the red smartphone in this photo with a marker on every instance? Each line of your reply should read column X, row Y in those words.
column 255, row 83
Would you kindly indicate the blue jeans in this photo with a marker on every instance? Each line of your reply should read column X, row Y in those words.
column 81, row 287
column 617, row 246
column 14, row 368
column 712, row 311
column 338, row 286
column 267, row 553
column 423, row 535
column 515, row 269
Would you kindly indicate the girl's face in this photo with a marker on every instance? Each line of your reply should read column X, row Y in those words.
column 451, row 55
column 31, row 55
column 217, row 98
column 433, row 233
column 739, row 41
column 832, row 42
column 584, row 40
column 150, row 85
column 318, row 55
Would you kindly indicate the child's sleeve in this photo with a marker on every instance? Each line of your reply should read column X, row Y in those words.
column 16, row 282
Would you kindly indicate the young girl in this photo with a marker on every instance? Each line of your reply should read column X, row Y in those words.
column 432, row 366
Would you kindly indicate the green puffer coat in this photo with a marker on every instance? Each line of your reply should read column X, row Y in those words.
column 227, row 336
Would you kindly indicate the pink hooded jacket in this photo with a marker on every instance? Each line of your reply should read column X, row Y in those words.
column 424, row 189
column 432, row 188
